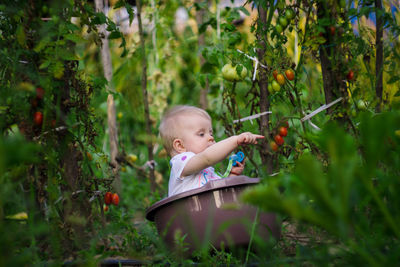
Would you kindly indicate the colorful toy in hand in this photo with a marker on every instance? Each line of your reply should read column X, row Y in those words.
column 232, row 162
column 237, row 157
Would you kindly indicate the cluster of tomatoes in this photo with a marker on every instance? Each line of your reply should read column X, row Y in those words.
column 284, row 20
column 279, row 80
column 110, row 198
column 279, row 140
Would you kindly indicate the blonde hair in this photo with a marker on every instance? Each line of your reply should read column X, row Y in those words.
column 169, row 128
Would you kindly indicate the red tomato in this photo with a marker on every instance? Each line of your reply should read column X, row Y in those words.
column 39, row 93
column 89, row 156
column 279, row 140
column 38, row 118
column 105, row 208
column 350, row 75
column 280, row 79
column 273, row 146
column 108, row 198
column 282, row 131
column 332, row 30
column 115, row 199
column 274, row 73
column 289, row 75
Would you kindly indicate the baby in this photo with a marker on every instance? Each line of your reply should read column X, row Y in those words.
column 188, row 138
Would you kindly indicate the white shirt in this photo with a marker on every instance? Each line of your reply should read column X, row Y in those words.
column 177, row 184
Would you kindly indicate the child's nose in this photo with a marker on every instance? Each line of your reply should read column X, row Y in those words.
column 211, row 138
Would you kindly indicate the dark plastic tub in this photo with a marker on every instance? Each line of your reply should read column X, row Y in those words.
column 212, row 214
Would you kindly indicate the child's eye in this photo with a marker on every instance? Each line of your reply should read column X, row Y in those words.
column 201, row 134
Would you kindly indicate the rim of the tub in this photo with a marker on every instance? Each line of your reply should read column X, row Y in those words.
column 209, row 186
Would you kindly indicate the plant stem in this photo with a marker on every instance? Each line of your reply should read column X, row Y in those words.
column 145, row 96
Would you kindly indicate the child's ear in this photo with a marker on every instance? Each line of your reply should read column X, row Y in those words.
column 178, row 146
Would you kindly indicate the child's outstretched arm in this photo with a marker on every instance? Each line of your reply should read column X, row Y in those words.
column 218, row 152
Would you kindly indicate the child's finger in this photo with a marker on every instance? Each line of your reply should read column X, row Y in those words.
column 239, row 164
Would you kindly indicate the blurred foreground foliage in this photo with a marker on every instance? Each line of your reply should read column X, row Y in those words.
column 350, row 192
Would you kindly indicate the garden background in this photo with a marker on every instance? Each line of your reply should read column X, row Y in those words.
column 84, row 84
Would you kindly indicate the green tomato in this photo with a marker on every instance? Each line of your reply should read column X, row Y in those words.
column 270, row 89
column 281, row 4
column 342, row 3
column 243, row 73
column 229, row 72
column 279, row 28
column 289, row 14
column 283, row 21
column 275, row 86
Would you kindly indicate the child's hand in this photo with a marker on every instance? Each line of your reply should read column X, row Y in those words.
column 238, row 169
column 248, row 138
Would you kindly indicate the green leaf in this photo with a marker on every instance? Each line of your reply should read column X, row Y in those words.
column 111, row 26
column 45, row 64
column 234, row 15
column 234, row 38
column 115, row 35
column 42, row 43
column 119, row 4
column 99, row 18
column 244, row 10
column 207, row 68
column 393, row 79
column 68, row 55
column 21, row 37
column 76, row 38
column 228, row 27
column 72, row 27
column 130, row 12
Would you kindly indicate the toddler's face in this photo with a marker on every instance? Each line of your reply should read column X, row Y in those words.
column 197, row 133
